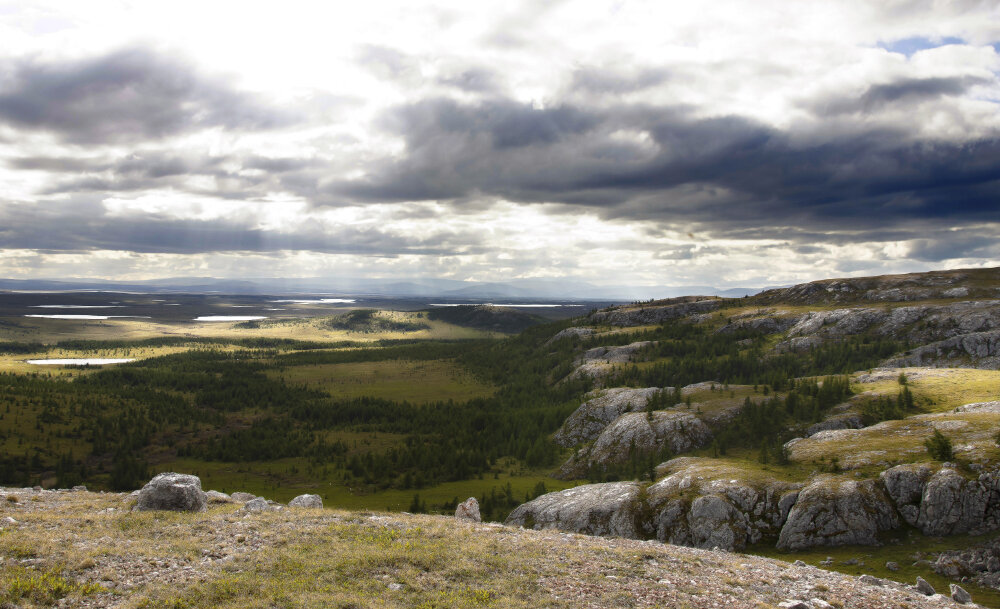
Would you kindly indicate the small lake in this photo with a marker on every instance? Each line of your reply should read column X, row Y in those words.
column 229, row 318
column 93, row 361
column 68, row 316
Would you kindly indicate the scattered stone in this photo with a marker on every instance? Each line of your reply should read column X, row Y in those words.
column 259, row 504
column 827, row 561
column 799, row 563
column 395, row 587
column 242, row 497
column 79, row 488
column 818, row 603
column 851, row 561
column 468, row 510
column 217, row 497
column 7, row 520
column 923, row 587
column 959, row 595
column 871, row 580
column 892, row 566
column 794, row 604
column 306, row 501
column 172, row 491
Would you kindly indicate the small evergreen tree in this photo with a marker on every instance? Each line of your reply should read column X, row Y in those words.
column 939, row 447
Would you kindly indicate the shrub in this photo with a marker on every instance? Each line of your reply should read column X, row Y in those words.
column 939, row 447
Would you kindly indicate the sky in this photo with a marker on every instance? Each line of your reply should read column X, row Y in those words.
column 725, row 143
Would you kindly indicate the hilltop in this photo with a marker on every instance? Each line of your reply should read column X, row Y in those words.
column 83, row 549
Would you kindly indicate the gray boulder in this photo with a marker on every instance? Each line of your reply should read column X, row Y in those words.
column 923, row 587
column 954, row 505
column 834, row 512
column 612, row 508
column 172, row 491
column 259, row 504
column 242, row 497
column 217, row 497
column 306, row 501
column 959, row 595
column 468, row 510
column 590, row 419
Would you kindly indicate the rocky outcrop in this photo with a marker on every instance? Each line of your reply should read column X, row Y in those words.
column 172, row 491
column 765, row 324
column 654, row 313
column 590, row 419
column 833, row 512
column 639, row 433
column 905, row 486
column 468, row 510
column 611, row 508
column 885, row 288
column 615, row 355
column 712, row 508
column 306, row 501
column 980, row 563
column 575, row 332
column 978, row 350
column 848, row 420
column 952, row 504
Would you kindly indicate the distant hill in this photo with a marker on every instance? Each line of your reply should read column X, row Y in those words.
column 486, row 317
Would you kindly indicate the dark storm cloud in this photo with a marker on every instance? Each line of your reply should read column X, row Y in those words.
column 126, row 96
column 83, row 225
column 653, row 163
column 901, row 92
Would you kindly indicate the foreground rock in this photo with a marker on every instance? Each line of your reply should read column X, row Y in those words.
column 468, row 510
column 172, row 491
column 594, row 509
column 306, row 501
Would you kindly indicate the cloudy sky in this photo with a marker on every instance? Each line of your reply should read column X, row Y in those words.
column 727, row 143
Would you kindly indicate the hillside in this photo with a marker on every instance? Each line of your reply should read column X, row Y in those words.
column 82, row 549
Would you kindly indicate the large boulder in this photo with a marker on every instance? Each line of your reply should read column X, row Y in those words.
column 612, row 508
column 639, row 434
column 837, row 511
column 590, row 419
column 172, row 491
column 306, row 501
column 955, row 505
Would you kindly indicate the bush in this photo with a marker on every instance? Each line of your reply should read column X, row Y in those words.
column 939, row 447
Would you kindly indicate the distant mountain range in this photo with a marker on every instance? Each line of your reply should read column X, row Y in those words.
column 531, row 289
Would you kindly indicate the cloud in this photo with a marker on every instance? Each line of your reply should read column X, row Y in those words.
column 126, row 96
column 665, row 164
column 898, row 93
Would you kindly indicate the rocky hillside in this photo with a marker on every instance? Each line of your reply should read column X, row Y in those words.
column 838, row 461
column 82, row 549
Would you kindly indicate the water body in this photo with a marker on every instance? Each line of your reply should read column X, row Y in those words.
column 86, row 317
column 319, row 301
column 93, row 361
column 229, row 318
column 495, row 304
column 75, row 307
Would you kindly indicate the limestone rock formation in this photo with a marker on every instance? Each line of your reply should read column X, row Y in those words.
column 905, row 486
column 574, row 332
column 614, row 354
column 640, row 433
column 953, row 505
column 217, row 497
column 468, row 510
column 172, row 491
column 611, row 508
column 833, row 512
column 978, row 349
column 710, row 507
column 306, row 501
column 590, row 419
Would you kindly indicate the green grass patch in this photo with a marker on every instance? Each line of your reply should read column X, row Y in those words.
column 399, row 380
